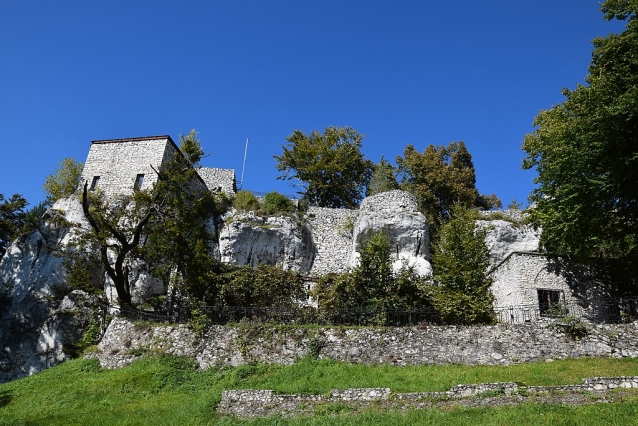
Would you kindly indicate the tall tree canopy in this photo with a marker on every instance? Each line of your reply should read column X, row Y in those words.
column 586, row 153
column 441, row 177
column 461, row 260
column 179, row 235
column 12, row 218
column 329, row 167
column 383, row 178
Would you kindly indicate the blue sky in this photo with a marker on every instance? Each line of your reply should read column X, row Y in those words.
column 401, row 72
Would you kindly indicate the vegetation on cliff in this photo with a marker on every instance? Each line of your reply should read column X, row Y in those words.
column 329, row 167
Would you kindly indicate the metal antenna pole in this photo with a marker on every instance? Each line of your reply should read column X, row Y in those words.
column 243, row 167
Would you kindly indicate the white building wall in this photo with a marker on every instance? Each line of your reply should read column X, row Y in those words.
column 117, row 162
column 519, row 277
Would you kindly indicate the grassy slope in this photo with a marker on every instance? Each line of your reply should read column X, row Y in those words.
column 166, row 391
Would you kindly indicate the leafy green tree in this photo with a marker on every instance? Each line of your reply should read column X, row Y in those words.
column 167, row 226
column 586, row 155
column 441, row 177
column 191, row 147
column 179, row 235
column 275, row 202
column 65, row 181
column 461, row 262
column 383, row 178
column 12, row 219
column 373, row 284
column 329, row 167
column 116, row 227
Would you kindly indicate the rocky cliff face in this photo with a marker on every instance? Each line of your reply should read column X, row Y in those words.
column 40, row 320
column 246, row 239
column 329, row 240
column 504, row 238
column 395, row 213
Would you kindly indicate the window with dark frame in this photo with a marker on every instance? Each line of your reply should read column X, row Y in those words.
column 139, row 180
column 548, row 300
column 94, row 182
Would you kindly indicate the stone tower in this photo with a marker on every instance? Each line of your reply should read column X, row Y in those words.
column 118, row 166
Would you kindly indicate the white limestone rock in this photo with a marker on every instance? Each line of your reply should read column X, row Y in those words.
column 29, row 264
column 37, row 319
column 504, row 238
column 247, row 239
column 396, row 213
column 419, row 265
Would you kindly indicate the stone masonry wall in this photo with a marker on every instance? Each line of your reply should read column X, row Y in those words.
column 332, row 235
column 118, row 162
column 471, row 345
column 247, row 403
column 219, row 178
column 520, row 275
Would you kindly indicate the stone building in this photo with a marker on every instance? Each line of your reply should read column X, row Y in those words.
column 529, row 278
column 534, row 284
column 118, row 166
column 542, row 285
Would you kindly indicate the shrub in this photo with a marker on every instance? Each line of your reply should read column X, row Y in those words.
column 266, row 285
column 275, row 202
column 222, row 203
column 372, row 285
column 302, row 206
column 245, row 200
column 572, row 326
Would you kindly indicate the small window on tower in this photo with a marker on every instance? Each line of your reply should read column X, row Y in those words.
column 139, row 180
column 94, row 182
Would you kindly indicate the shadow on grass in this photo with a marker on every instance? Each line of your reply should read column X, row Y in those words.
column 5, row 398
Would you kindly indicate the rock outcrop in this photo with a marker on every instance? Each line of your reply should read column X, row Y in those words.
column 504, row 237
column 395, row 213
column 40, row 319
column 246, row 239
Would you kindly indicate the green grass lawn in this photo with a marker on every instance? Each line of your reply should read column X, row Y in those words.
column 172, row 391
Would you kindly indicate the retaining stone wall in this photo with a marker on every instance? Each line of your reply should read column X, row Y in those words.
column 472, row 345
column 261, row 403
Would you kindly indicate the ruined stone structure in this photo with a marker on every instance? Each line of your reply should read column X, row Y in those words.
column 219, row 179
column 332, row 235
column 248, row 403
column 119, row 166
column 321, row 241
